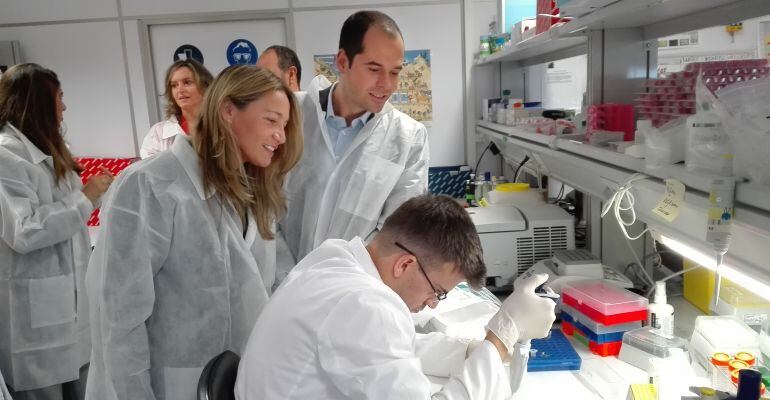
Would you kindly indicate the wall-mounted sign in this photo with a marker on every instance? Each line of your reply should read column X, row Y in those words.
column 241, row 51
column 187, row 52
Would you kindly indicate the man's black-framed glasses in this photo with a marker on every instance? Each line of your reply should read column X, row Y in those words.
column 439, row 295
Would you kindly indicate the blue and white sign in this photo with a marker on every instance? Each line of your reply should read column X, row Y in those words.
column 241, row 51
column 187, row 52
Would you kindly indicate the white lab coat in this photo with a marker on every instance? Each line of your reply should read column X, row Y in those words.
column 386, row 165
column 172, row 280
column 44, row 251
column 334, row 330
column 4, row 395
column 160, row 137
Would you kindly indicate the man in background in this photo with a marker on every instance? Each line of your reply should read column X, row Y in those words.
column 363, row 158
column 284, row 63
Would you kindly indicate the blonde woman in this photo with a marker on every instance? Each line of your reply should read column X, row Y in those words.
column 185, row 262
column 44, row 242
column 186, row 83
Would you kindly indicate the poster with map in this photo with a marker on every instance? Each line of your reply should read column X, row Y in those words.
column 413, row 96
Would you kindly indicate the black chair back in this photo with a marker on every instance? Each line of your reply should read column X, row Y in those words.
column 217, row 381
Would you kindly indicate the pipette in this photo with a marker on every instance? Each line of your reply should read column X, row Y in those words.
column 522, row 348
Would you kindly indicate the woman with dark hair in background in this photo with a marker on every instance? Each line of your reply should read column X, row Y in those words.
column 44, row 251
column 186, row 84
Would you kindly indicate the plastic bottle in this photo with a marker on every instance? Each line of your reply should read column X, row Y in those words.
column 660, row 315
column 478, row 193
column 501, row 111
column 484, row 49
column 486, row 186
column 493, row 112
column 708, row 147
column 749, row 384
column 470, row 191
column 477, row 189
column 720, row 214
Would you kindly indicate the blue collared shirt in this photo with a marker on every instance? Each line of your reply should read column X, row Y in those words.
column 341, row 135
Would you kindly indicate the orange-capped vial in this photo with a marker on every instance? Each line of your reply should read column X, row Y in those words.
column 735, row 365
column 720, row 359
column 734, row 376
column 746, row 357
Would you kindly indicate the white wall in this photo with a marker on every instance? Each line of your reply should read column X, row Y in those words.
column 133, row 8
column 96, row 47
column 89, row 61
column 21, row 11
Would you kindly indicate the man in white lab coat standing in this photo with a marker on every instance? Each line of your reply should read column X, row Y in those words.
column 339, row 327
column 362, row 158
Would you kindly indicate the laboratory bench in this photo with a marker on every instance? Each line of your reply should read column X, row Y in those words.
column 574, row 385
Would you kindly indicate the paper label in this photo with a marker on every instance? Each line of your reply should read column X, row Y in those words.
column 669, row 206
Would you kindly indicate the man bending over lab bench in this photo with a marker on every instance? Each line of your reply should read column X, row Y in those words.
column 339, row 326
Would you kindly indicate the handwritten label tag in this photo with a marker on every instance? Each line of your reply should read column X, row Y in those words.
column 669, row 206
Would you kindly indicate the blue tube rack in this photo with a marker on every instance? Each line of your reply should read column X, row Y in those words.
column 553, row 353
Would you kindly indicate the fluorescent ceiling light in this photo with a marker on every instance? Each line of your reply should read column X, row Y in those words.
column 725, row 270
column 693, row 254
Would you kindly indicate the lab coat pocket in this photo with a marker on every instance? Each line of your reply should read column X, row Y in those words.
column 51, row 301
column 181, row 383
column 370, row 184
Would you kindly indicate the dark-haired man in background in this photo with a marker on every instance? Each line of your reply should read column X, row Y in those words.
column 363, row 158
column 284, row 63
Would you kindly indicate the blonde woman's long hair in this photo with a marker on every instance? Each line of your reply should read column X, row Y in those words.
column 248, row 187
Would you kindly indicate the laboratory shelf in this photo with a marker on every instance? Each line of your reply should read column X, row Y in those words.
column 510, row 131
column 654, row 15
column 616, row 39
column 750, row 195
column 658, row 18
column 599, row 172
column 541, row 45
column 601, row 154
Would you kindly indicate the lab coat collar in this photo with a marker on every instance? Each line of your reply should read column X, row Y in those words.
column 171, row 128
column 320, row 85
column 183, row 150
column 35, row 153
column 325, row 98
column 358, row 249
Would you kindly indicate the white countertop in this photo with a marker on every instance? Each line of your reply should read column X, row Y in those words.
column 572, row 384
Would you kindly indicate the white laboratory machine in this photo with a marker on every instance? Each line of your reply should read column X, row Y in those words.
column 516, row 237
column 574, row 265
